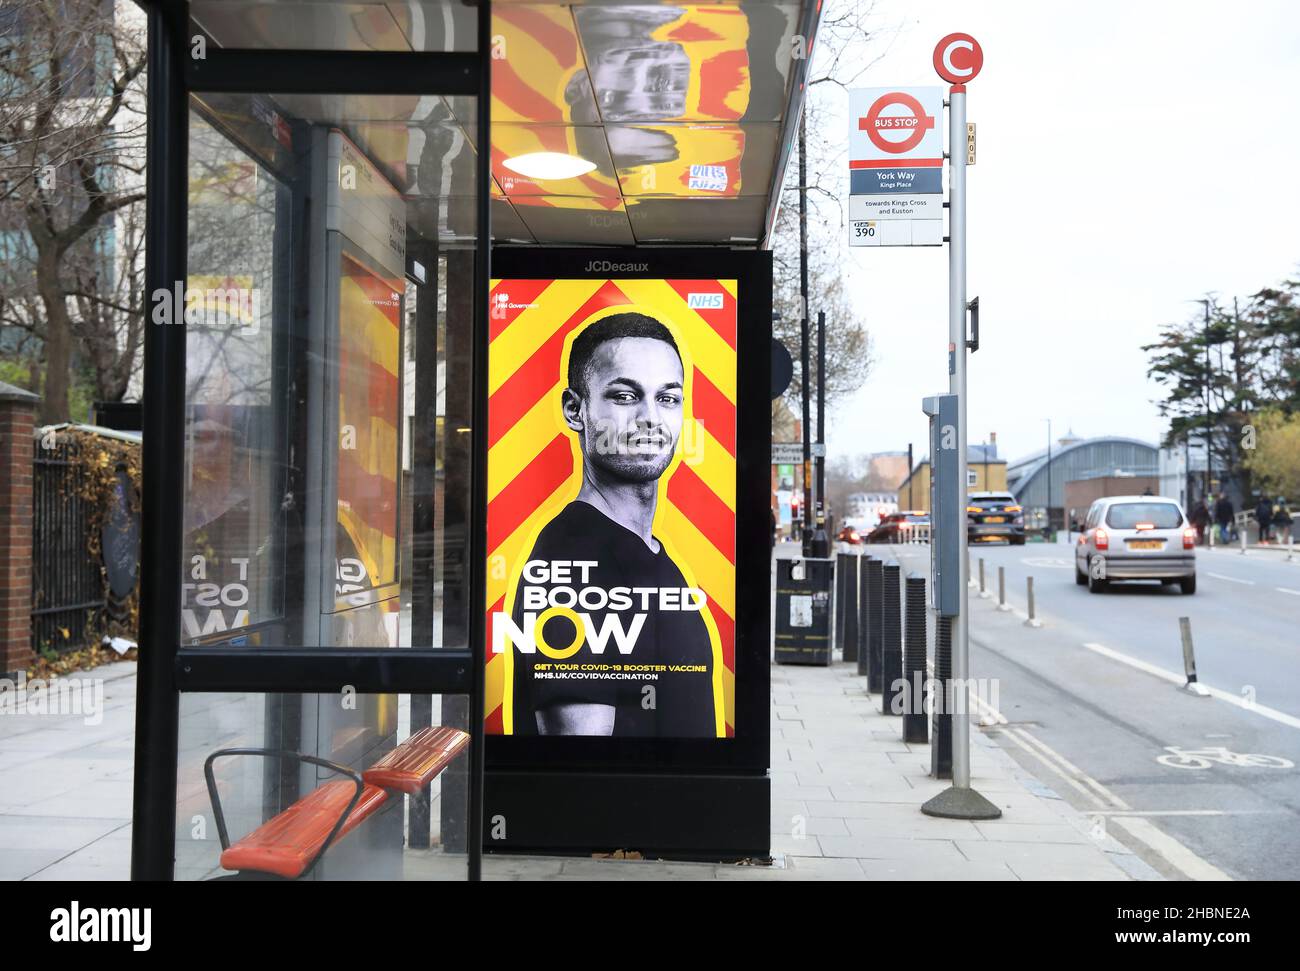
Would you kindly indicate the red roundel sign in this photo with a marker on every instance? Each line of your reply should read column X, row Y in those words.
column 958, row 58
column 915, row 124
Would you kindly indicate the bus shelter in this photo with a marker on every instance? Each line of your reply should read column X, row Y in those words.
column 456, row 432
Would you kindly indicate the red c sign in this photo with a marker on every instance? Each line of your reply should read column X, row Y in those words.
column 917, row 123
column 958, row 58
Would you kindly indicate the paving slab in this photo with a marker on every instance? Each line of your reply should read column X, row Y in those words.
column 846, row 798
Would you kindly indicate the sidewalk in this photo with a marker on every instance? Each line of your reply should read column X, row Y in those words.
column 846, row 797
column 65, row 788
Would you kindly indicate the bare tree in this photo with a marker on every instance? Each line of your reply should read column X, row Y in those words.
column 71, row 171
column 850, row 40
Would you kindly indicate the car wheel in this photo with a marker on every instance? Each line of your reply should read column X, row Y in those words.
column 1017, row 541
column 1080, row 577
column 1096, row 585
column 1188, row 584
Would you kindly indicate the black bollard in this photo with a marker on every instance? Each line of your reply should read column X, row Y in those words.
column 941, row 712
column 874, row 587
column 914, row 650
column 840, row 574
column 864, row 643
column 891, row 629
column 850, row 640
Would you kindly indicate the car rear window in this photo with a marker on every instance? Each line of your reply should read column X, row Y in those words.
column 994, row 500
column 1161, row 515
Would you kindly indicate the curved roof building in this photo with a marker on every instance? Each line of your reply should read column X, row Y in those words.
column 1073, row 459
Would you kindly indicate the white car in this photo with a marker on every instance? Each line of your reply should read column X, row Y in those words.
column 1136, row 538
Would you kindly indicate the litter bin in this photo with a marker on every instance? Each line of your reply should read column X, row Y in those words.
column 803, row 610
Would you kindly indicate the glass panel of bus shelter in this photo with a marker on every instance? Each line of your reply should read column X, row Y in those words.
column 328, row 311
column 277, row 811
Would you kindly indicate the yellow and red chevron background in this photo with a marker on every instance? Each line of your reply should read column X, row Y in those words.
column 535, row 466
column 370, row 404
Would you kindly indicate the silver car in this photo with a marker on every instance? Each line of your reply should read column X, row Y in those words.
column 1136, row 538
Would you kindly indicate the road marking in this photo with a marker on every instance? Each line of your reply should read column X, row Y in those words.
column 1196, row 759
column 1220, row 576
column 1144, row 831
column 1187, row 812
column 1181, row 679
column 1106, row 794
column 1069, row 780
column 1175, row 852
column 1294, row 593
column 1051, row 562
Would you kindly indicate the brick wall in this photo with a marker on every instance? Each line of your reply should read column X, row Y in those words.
column 17, row 416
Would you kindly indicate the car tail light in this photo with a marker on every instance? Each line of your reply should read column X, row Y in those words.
column 1141, row 526
column 1012, row 509
column 973, row 509
column 1189, row 538
column 1102, row 539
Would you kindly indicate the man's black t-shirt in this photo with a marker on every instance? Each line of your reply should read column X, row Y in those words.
column 682, row 701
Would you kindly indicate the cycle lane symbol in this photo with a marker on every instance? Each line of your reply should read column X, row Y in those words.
column 1203, row 758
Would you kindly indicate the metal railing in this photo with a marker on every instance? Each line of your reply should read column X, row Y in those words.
column 917, row 534
column 67, row 583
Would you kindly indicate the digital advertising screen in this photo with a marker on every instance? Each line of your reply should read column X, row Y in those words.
column 370, row 307
column 611, row 572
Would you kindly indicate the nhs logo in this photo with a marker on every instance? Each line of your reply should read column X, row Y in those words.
column 704, row 301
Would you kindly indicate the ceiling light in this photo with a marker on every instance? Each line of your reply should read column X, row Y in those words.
column 549, row 165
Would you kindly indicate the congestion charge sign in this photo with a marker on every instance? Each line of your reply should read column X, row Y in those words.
column 958, row 58
column 896, row 166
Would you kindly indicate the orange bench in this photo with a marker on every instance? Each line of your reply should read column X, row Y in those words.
column 292, row 842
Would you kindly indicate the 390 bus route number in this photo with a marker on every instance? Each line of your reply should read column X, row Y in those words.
column 862, row 230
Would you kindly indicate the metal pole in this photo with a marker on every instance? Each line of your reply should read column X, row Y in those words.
column 1047, row 526
column 821, row 535
column 1208, row 426
column 960, row 802
column 803, row 338
column 1029, row 593
column 821, row 409
column 957, row 385
column 1189, row 660
column 909, row 475
column 1002, row 589
column 157, row 715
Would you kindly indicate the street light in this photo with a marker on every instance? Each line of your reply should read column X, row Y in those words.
column 1047, row 526
column 1209, row 428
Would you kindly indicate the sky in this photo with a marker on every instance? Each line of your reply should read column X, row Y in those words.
column 1131, row 157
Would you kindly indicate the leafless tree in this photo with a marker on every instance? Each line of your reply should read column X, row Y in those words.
column 852, row 37
column 71, row 192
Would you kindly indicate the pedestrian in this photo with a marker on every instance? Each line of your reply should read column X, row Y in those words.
column 1200, row 519
column 1223, row 511
column 1263, row 516
column 1281, row 521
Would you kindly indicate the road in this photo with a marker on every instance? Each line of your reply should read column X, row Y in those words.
column 1092, row 699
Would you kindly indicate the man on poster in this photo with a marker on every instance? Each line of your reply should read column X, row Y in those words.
column 637, row 661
